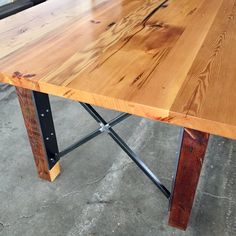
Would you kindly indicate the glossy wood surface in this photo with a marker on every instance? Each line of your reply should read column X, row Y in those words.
column 171, row 61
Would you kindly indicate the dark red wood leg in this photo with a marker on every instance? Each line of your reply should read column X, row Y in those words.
column 191, row 156
column 40, row 131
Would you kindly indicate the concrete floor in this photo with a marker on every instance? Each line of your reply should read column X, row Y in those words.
column 100, row 192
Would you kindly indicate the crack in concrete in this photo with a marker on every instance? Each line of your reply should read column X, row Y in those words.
column 111, row 201
column 105, row 191
column 166, row 178
column 94, row 181
column 69, row 195
column 26, row 217
column 3, row 225
column 99, row 201
column 218, row 197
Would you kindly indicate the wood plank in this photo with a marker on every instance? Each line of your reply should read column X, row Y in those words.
column 141, row 57
column 207, row 97
column 191, row 156
column 36, row 139
column 103, row 44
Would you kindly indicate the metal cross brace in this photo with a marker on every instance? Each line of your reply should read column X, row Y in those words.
column 107, row 128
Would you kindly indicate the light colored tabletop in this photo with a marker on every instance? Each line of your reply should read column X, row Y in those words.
column 171, row 61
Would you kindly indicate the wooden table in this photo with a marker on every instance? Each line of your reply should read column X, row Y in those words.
column 172, row 61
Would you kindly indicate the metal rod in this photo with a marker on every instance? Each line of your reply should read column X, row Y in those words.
column 93, row 113
column 127, row 149
column 80, row 142
column 139, row 163
column 118, row 119
column 176, row 164
column 99, row 119
column 92, row 135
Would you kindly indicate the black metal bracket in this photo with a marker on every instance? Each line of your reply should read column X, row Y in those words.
column 107, row 128
column 43, row 107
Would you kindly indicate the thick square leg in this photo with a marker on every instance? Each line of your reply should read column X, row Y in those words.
column 192, row 152
column 37, row 115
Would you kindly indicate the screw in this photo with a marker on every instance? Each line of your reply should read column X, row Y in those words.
column 52, row 134
column 47, row 138
column 47, row 110
column 52, row 160
column 42, row 115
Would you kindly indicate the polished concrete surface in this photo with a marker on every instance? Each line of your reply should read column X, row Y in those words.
column 100, row 191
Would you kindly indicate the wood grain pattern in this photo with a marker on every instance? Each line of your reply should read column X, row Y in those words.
column 35, row 136
column 191, row 156
column 167, row 60
column 208, row 93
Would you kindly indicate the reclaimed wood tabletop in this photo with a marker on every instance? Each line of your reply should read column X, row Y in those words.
column 167, row 60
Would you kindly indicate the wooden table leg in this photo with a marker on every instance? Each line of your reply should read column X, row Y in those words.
column 191, row 156
column 37, row 115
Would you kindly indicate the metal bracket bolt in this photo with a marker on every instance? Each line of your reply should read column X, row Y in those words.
column 104, row 128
